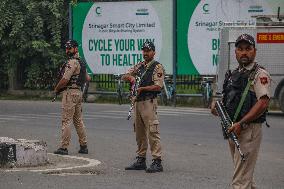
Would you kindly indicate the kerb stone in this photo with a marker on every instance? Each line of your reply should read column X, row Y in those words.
column 22, row 152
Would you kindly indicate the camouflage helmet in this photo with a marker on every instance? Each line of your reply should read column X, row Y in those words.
column 71, row 44
column 246, row 38
column 148, row 45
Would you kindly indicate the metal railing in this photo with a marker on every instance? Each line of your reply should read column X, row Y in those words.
column 186, row 86
column 107, row 83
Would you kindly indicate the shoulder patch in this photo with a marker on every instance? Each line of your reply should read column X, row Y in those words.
column 263, row 80
column 159, row 70
column 261, row 73
column 159, row 74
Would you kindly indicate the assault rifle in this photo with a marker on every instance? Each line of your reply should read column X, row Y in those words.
column 57, row 94
column 85, row 91
column 54, row 97
column 133, row 94
column 226, row 123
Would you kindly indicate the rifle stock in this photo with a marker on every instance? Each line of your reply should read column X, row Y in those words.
column 57, row 94
column 85, row 90
column 54, row 97
column 226, row 123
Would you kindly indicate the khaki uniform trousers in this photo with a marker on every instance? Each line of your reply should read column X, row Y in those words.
column 146, row 127
column 249, row 139
column 72, row 112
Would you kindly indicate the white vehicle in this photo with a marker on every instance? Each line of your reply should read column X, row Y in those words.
column 269, row 37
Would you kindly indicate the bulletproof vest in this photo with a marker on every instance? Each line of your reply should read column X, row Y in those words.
column 146, row 80
column 60, row 75
column 61, row 71
column 79, row 79
column 233, row 88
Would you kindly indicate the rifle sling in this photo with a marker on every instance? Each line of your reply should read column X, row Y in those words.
column 242, row 101
column 251, row 78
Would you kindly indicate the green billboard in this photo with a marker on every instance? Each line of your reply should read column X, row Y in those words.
column 199, row 23
column 111, row 34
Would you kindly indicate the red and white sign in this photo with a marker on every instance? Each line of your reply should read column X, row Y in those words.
column 270, row 37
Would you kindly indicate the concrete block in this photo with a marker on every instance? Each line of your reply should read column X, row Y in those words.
column 7, row 155
column 22, row 152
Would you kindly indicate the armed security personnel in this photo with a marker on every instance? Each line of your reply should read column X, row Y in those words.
column 146, row 122
column 74, row 76
column 251, row 83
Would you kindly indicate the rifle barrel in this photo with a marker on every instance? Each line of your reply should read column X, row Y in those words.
column 226, row 123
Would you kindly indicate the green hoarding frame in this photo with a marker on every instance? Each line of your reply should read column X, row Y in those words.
column 184, row 62
column 78, row 11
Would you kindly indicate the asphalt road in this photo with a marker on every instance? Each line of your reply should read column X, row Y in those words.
column 194, row 152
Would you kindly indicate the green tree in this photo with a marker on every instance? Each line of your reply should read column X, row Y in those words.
column 32, row 34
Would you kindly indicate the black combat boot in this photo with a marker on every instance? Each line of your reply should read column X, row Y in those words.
column 156, row 166
column 140, row 164
column 61, row 151
column 83, row 150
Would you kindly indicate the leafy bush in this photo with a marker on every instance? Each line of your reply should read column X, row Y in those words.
column 32, row 32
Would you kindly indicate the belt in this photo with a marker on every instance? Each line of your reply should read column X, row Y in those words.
column 143, row 98
column 73, row 88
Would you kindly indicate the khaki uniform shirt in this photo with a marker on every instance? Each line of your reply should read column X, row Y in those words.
column 158, row 73
column 261, row 83
column 72, row 68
